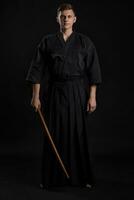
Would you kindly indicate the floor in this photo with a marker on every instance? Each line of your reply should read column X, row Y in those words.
column 20, row 179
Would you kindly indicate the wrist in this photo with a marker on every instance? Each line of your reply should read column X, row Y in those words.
column 35, row 96
column 92, row 97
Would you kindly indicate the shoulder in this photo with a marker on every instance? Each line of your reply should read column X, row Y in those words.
column 48, row 37
column 85, row 39
column 44, row 41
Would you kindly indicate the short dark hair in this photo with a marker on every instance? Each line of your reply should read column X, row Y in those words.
column 65, row 6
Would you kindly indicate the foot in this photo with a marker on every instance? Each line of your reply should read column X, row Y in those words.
column 43, row 187
column 90, row 186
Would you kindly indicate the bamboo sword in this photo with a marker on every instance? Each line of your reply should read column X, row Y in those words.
column 52, row 143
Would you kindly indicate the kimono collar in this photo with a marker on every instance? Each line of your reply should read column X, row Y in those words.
column 60, row 36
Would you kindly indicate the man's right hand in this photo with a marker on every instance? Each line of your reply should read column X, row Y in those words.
column 35, row 103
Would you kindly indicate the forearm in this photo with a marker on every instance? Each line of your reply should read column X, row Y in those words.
column 92, row 91
column 36, row 90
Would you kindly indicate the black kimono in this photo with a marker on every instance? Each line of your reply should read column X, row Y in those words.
column 72, row 66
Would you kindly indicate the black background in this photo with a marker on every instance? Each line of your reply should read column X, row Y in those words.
column 109, row 25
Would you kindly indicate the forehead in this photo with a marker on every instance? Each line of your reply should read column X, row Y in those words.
column 66, row 12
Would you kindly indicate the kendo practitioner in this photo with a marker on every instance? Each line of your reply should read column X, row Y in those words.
column 69, row 62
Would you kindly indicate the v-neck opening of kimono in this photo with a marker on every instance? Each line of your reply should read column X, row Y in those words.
column 60, row 36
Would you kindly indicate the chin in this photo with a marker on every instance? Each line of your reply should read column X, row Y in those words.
column 67, row 27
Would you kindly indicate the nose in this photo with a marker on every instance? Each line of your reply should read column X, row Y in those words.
column 65, row 19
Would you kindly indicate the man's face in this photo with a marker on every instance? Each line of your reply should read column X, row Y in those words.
column 66, row 19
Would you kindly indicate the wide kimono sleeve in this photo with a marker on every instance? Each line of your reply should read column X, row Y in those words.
column 93, row 70
column 38, row 63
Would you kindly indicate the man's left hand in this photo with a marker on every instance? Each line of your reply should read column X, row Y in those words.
column 91, row 104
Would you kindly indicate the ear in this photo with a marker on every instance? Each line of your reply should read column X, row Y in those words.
column 75, row 18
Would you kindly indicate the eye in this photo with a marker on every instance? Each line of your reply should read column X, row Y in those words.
column 62, row 16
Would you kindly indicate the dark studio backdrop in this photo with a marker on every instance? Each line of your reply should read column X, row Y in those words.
column 23, row 24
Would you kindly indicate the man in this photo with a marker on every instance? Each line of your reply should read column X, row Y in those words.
column 70, row 61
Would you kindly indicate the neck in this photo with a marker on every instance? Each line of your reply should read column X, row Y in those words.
column 66, row 32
